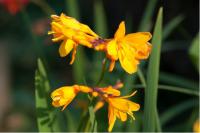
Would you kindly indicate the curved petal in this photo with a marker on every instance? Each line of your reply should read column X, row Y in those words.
column 139, row 37
column 112, row 65
column 111, row 91
column 112, row 49
column 121, row 115
column 69, row 22
column 73, row 55
column 133, row 106
column 127, row 59
column 120, row 33
column 99, row 105
column 65, row 47
column 111, row 117
column 124, row 105
column 139, row 41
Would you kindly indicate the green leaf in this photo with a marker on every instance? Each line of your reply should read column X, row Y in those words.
column 93, row 121
column 147, row 16
column 72, row 10
column 176, row 80
column 194, row 51
column 173, row 88
column 171, row 26
column 150, row 105
column 46, row 119
column 100, row 21
column 177, row 109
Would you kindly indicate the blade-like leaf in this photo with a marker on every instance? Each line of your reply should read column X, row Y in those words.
column 171, row 26
column 148, row 13
column 150, row 104
column 100, row 19
column 175, row 110
column 176, row 80
column 46, row 119
column 194, row 51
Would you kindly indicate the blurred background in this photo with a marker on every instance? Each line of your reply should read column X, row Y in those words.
column 23, row 38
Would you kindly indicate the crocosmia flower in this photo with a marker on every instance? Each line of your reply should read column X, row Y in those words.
column 120, row 107
column 128, row 49
column 13, row 6
column 71, row 33
column 64, row 95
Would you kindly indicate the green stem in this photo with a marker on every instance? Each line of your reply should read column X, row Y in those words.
column 102, row 72
column 141, row 77
column 172, row 88
column 175, row 110
column 158, row 126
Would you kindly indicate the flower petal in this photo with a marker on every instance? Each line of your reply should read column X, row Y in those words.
column 139, row 37
column 69, row 22
column 133, row 106
column 73, row 54
column 121, row 115
column 124, row 105
column 112, row 65
column 111, row 118
column 112, row 49
column 99, row 105
column 120, row 33
column 111, row 91
column 127, row 59
column 65, row 47
column 63, row 96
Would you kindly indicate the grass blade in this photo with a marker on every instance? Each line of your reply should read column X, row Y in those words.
column 72, row 10
column 100, row 19
column 148, row 13
column 177, row 80
column 194, row 51
column 171, row 26
column 152, row 77
column 46, row 119
column 173, row 88
column 175, row 110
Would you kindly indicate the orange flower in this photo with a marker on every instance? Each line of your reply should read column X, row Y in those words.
column 129, row 49
column 64, row 95
column 119, row 107
column 71, row 33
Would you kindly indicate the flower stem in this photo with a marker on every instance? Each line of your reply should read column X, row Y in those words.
column 102, row 72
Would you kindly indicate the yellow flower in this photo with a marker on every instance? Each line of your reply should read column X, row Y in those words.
column 71, row 33
column 119, row 107
column 196, row 126
column 129, row 49
column 64, row 95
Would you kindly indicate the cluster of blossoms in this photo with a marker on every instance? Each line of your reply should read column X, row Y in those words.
column 118, row 107
column 128, row 49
